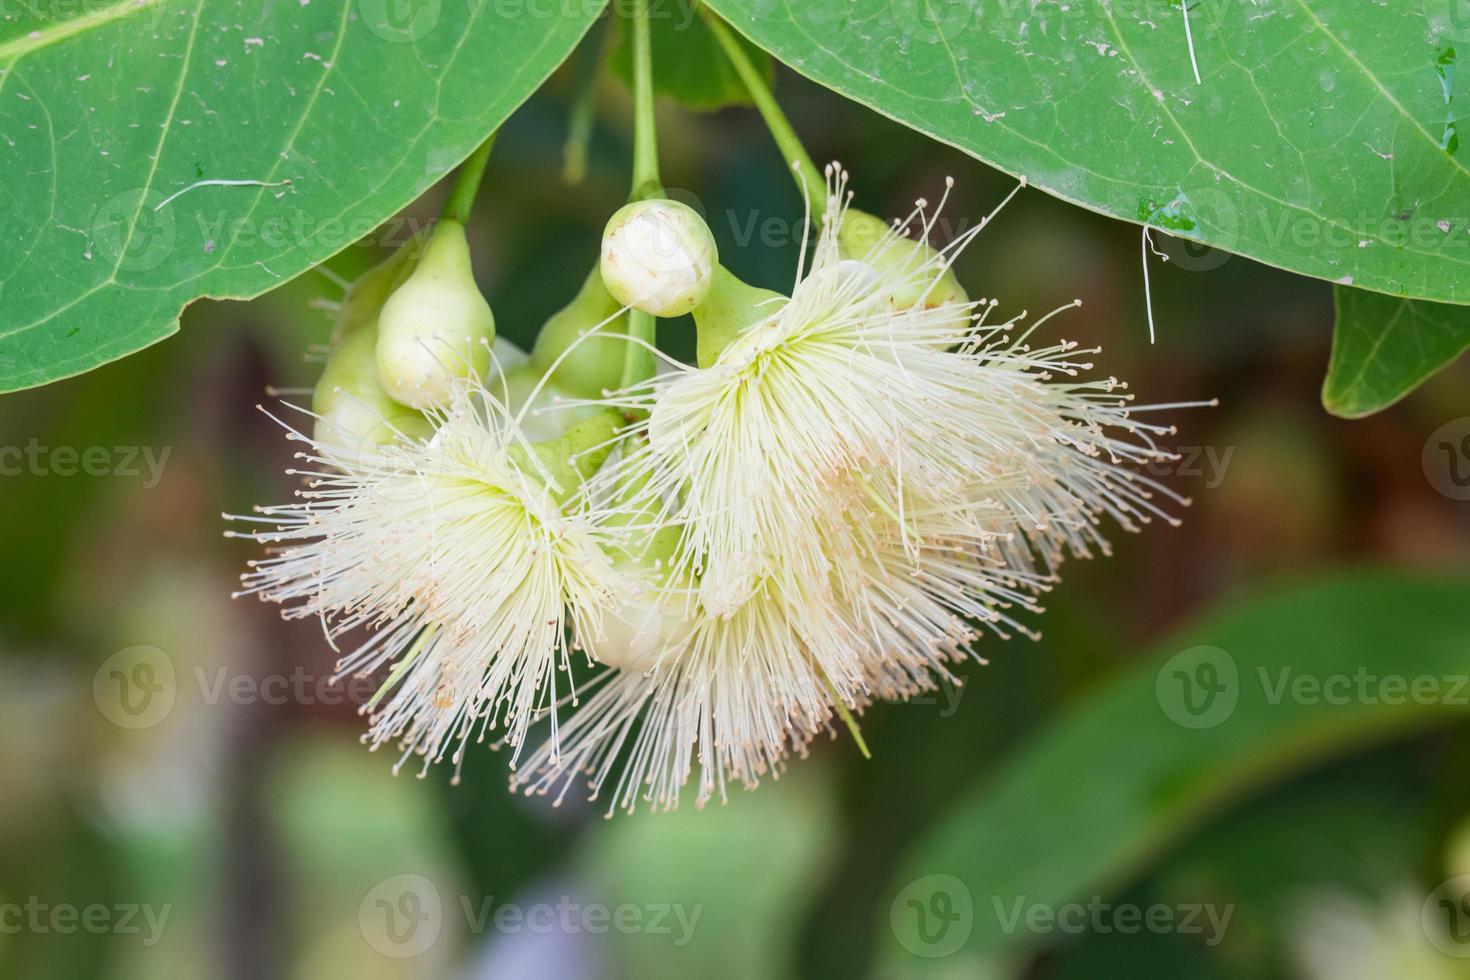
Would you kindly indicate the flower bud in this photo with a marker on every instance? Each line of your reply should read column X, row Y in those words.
column 922, row 270
column 433, row 328
column 659, row 257
column 594, row 364
column 366, row 295
column 353, row 411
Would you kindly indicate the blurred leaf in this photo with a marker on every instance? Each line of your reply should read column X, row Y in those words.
column 505, row 840
column 47, row 512
column 1384, row 347
column 1179, row 737
column 1356, row 831
column 335, row 116
column 688, row 65
column 734, row 875
column 1321, row 137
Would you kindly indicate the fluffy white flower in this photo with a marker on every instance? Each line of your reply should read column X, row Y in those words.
column 729, row 696
column 859, row 485
column 462, row 561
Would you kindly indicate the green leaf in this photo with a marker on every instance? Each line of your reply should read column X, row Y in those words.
column 1384, row 347
column 113, row 124
column 1227, row 708
column 1322, row 138
column 688, row 65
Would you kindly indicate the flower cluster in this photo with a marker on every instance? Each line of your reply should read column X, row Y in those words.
column 851, row 485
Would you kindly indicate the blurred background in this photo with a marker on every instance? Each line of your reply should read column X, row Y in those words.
column 183, row 793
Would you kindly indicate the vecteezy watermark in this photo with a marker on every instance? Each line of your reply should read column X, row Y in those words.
column 39, row 917
column 1201, row 687
column 1096, row 915
column 406, row 21
column 405, row 915
column 144, row 16
column 124, row 462
column 136, row 687
column 139, row 687
column 1446, row 458
column 933, row 916
column 1198, row 687
column 400, row 21
column 945, row 695
column 1194, row 462
column 1445, row 917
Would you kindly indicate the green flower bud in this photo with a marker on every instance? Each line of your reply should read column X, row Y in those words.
column 566, row 461
column 870, row 239
column 595, row 364
column 433, row 327
column 730, row 306
column 658, row 256
column 353, row 411
column 365, row 296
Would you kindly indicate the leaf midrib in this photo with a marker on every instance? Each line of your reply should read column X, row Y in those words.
column 60, row 31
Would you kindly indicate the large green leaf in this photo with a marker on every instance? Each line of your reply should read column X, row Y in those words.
column 110, row 120
column 1255, row 692
column 1384, row 347
column 1322, row 137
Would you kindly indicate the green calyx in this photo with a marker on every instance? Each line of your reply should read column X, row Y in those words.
column 595, row 364
column 435, row 326
column 366, row 295
column 861, row 237
column 567, row 461
column 730, row 307
column 353, row 411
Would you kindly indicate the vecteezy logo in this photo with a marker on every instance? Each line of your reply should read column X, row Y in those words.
column 1446, row 459
column 933, row 916
column 400, row 21
column 1445, row 917
column 1202, row 211
column 135, row 688
column 1198, row 687
column 132, row 232
column 401, row 916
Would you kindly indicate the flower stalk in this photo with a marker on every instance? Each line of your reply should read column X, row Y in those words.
column 808, row 176
column 467, row 183
column 638, row 362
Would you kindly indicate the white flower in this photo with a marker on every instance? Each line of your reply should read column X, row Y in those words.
column 730, row 696
column 858, row 486
column 1339, row 936
column 463, row 561
column 839, row 387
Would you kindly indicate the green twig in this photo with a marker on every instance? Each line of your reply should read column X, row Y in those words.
column 646, row 180
column 592, row 56
column 808, row 177
column 467, row 183
column 638, row 363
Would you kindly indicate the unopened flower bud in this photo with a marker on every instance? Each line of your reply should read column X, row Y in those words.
column 353, row 411
column 595, row 363
column 434, row 327
column 659, row 257
column 917, row 268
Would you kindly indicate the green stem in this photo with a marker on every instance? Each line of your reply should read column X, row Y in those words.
column 646, row 181
column 591, row 57
column 467, row 183
column 638, row 363
column 809, row 179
